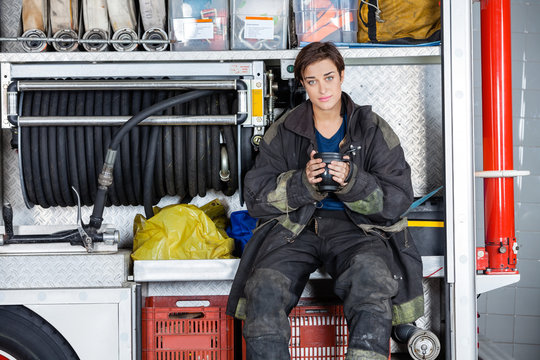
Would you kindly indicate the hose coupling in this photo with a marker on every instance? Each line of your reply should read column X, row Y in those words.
column 106, row 176
column 66, row 40
column 37, row 42
column 126, row 39
column 154, row 34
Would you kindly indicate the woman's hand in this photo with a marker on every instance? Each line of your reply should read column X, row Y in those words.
column 339, row 171
column 314, row 168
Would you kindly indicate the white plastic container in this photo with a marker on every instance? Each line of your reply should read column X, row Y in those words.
column 259, row 24
column 198, row 25
column 326, row 20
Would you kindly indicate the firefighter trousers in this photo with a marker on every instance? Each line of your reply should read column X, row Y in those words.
column 359, row 263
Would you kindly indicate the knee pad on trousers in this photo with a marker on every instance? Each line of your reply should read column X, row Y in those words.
column 269, row 299
column 366, row 289
column 366, row 284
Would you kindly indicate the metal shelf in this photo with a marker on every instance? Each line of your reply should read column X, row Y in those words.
column 485, row 283
column 225, row 269
column 379, row 55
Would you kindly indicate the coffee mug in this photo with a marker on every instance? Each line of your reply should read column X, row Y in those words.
column 328, row 184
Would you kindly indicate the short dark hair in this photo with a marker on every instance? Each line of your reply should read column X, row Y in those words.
column 314, row 52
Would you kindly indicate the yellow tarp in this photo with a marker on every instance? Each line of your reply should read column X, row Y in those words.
column 183, row 232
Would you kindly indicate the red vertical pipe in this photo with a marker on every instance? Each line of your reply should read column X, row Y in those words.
column 497, row 135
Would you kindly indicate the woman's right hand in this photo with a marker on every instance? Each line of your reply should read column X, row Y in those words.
column 314, row 168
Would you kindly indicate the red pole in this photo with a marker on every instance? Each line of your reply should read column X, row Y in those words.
column 500, row 236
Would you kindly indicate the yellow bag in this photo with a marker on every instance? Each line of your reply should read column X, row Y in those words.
column 183, row 232
column 399, row 21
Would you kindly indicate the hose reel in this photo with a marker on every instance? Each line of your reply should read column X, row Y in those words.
column 65, row 127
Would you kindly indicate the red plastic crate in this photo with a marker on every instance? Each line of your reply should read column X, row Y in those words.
column 182, row 328
column 318, row 332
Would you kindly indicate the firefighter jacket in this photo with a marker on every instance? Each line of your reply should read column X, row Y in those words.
column 277, row 192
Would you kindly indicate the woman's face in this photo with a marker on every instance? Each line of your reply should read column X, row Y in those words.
column 322, row 82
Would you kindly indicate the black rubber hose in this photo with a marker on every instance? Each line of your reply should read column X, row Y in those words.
column 191, row 152
column 216, row 157
column 215, row 150
column 118, row 173
column 247, row 150
column 145, row 131
column 84, row 191
column 98, row 137
column 179, row 141
column 26, row 153
column 53, row 158
column 159, row 179
column 107, row 135
column 125, row 148
column 136, row 171
column 154, row 109
column 208, row 144
column 72, row 147
column 149, row 173
column 89, row 147
column 97, row 213
column 230, row 143
column 62, row 152
column 35, row 148
column 201, row 149
column 168, row 162
column 44, row 152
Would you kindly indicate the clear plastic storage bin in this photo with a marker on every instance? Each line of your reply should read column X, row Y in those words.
column 259, row 24
column 326, row 20
column 197, row 25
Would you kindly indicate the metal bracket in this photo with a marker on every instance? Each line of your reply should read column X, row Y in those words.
column 86, row 240
column 501, row 173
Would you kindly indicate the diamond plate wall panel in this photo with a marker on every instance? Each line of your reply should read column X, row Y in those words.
column 63, row 271
column 10, row 24
column 408, row 97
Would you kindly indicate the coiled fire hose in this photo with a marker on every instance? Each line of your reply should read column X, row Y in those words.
column 186, row 163
column 34, row 19
column 124, row 24
column 64, row 23
column 154, row 17
column 96, row 24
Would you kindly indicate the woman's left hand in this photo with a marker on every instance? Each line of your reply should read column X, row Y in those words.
column 339, row 171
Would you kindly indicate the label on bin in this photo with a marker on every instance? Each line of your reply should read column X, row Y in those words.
column 193, row 29
column 259, row 27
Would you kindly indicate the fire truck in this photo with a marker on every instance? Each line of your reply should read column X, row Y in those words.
column 68, row 287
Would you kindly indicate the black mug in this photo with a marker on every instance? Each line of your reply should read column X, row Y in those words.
column 328, row 184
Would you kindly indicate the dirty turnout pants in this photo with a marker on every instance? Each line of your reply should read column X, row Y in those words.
column 359, row 265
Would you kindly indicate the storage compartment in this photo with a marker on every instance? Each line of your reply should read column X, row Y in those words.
column 326, row 20
column 187, row 328
column 259, row 25
column 198, row 25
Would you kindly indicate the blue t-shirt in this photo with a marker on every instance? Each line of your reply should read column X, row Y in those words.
column 331, row 202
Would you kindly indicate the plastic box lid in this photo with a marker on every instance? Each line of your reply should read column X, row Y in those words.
column 303, row 5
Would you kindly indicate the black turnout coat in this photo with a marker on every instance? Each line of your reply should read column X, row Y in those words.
column 277, row 192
